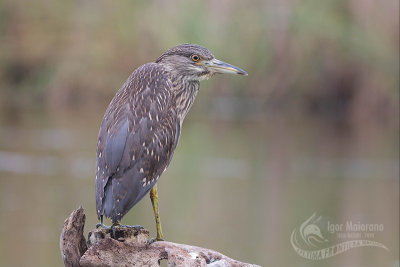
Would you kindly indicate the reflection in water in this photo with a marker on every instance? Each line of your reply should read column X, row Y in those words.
column 237, row 188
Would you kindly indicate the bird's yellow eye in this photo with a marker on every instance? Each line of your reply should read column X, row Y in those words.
column 195, row 57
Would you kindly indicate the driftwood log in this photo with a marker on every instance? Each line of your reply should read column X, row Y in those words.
column 129, row 247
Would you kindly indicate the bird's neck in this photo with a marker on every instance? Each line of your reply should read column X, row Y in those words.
column 185, row 92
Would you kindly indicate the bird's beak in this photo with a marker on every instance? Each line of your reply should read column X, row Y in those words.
column 219, row 66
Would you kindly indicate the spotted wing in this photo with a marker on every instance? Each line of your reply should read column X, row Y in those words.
column 136, row 141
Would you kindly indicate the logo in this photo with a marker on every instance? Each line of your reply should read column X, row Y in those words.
column 309, row 241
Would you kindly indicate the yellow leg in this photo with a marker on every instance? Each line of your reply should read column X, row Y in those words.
column 154, row 202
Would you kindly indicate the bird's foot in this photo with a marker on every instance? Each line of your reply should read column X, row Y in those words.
column 151, row 241
column 102, row 225
column 114, row 228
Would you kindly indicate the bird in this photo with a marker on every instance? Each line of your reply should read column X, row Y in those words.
column 141, row 128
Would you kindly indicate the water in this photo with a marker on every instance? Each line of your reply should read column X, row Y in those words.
column 236, row 186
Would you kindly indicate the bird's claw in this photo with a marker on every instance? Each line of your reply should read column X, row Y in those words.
column 151, row 241
column 102, row 225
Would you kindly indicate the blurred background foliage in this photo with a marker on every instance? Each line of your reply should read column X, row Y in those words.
column 332, row 59
column 313, row 128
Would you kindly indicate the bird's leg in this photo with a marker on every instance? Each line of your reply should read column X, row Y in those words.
column 154, row 202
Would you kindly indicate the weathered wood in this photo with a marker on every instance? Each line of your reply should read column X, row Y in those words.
column 129, row 247
column 72, row 241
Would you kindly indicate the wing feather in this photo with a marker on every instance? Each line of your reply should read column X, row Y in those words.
column 137, row 138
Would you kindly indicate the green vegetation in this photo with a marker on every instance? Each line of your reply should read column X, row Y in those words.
column 335, row 59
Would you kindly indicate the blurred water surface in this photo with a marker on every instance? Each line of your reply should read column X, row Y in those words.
column 236, row 186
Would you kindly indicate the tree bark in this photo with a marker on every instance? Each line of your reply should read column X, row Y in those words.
column 129, row 247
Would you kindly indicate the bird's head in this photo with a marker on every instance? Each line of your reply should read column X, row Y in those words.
column 194, row 62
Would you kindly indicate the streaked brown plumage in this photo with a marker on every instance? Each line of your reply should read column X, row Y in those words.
column 142, row 124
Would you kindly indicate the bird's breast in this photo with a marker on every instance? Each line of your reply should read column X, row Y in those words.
column 185, row 94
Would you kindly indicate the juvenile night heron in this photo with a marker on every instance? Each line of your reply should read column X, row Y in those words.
column 142, row 124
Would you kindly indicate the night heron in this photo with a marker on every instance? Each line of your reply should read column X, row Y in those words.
column 142, row 124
